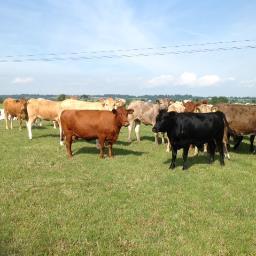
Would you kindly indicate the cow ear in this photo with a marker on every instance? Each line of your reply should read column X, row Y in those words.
column 214, row 109
column 114, row 111
column 130, row 111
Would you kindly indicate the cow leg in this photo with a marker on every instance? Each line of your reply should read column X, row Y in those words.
column 54, row 125
column 20, row 121
column 61, row 134
column 29, row 127
column 185, row 157
column 156, row 138
column 11, row 122
column 102, row 144
column 205, row 147
column 251, row 145
column 68, row 145
column 225, row 143
column 130, row 131
column 211, row 147
column 137, row 130
column 220, row 149
column 168, row 147
column 163, row 135
column 6, row 120
column 195, row 151
column 238, row 141
column 225, row 150
column 110, row 150
column 174, row 155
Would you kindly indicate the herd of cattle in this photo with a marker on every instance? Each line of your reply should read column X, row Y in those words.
column 200, row 125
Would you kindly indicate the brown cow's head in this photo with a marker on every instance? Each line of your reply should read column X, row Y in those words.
column 23, row 109
column 121, row 115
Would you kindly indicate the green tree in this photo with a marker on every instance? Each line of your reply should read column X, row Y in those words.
column 61, row 97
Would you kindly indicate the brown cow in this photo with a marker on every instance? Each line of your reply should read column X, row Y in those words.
column 15, row 108
column 93, row 124
column 241, row 119
column 144, row 112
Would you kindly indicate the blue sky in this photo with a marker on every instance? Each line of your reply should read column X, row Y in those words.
column 36, row 27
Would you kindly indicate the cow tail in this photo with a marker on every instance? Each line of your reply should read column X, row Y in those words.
column 225, row 121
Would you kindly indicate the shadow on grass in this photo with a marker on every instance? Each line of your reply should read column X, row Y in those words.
column 116, row 151
column 47, row 135
column 193, row 160
column 243, row 148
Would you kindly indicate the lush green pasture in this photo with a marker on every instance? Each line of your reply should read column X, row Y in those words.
column 130, row 205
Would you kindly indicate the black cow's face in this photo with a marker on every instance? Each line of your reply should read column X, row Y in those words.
column 161, row 122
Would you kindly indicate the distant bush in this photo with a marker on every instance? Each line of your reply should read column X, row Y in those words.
column 61, row 97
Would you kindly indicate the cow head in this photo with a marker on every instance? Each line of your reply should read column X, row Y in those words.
column 164, row 103
column 120, row 102
column 162, row 121
column 121, row 115
column 23, row 109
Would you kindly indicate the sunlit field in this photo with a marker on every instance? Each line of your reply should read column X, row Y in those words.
column 130, row 205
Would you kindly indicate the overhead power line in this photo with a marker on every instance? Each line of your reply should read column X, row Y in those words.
column 129, row 55
column 130, row 49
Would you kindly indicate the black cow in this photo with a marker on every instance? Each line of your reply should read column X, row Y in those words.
column 184, row 129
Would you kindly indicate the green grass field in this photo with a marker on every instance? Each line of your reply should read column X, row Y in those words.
column 130, row 205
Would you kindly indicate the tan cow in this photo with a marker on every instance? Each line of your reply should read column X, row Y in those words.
column 204, row 108
column 102, row 104
column 43, row 109
column 15, row 108
column 144, row 112
column 176, row 107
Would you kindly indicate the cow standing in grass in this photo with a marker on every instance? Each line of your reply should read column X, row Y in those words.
column 93, row 124
column 144, row 112
column 241, row 119
column 184, row 129
column 15, row 108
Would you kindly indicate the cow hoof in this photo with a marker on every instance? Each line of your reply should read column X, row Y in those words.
column 184, row 168
column 172, row 166
column 61, row 143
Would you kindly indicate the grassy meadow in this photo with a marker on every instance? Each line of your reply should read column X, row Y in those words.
column 130, row 205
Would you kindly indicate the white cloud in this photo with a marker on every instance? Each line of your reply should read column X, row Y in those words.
column 188, row 79
column 209, row 80
column 161, row 80
column 22, row 80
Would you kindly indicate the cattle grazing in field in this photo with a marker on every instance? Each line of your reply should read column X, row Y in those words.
column 51, row 110
column 15, row 108
column 241, row 119
column 184, row 129
column 144, row 112
column 93, row 124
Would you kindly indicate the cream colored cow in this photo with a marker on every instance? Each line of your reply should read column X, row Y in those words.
column 43, row 109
